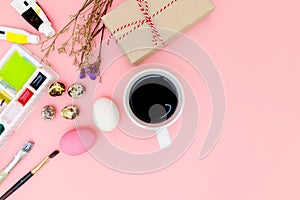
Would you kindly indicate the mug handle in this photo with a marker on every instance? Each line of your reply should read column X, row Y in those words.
column 163, row 137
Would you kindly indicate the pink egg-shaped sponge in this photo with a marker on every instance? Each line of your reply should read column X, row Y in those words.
column 77, row 141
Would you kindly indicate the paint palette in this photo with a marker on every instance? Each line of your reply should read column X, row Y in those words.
column 23, row 81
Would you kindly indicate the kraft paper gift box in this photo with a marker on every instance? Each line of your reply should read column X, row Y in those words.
column 176, row 17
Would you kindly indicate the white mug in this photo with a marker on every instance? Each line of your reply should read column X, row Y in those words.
column 161, row 124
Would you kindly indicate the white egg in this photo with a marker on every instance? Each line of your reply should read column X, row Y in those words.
column 105, row 114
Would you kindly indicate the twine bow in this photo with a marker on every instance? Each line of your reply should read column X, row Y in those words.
column 144, row 8
column 156, row 37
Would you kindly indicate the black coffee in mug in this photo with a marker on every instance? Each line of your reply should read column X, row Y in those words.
column 153, row 99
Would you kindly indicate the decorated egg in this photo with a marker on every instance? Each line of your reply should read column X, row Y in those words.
column 70, row 112
column 48, row 112
column 56, row 89
column 76, row 90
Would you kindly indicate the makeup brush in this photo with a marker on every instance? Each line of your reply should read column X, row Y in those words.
column 28, row 175
column 18, row 157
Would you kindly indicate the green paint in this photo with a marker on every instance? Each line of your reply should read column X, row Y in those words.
column 16, row 71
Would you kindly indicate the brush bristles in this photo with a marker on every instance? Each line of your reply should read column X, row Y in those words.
column 28, row 146
column 53, row 154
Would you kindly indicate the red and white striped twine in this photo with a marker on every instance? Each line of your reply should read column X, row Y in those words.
column 144, row 8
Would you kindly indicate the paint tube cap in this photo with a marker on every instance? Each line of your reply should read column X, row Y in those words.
column 34, row 39
column 47, row 30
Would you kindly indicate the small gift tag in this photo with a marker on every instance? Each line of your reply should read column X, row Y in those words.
column 140, row 26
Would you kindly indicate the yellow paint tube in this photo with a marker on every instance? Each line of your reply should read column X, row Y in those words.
column 4, row 97
column 18, row 36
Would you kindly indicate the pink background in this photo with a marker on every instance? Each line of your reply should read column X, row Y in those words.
column 255, row 45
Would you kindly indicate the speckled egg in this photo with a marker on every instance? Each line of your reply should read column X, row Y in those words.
column 56, row 89
column 76, row 90
column 48, row 112
column 70, row 112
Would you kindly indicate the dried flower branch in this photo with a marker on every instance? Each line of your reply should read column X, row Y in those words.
column 85, row 26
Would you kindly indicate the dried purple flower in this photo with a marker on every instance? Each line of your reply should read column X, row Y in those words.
column 82, row 74
column 85, row 25
column 93, row 76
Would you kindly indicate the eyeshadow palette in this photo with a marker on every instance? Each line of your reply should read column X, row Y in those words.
column 23, row 81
